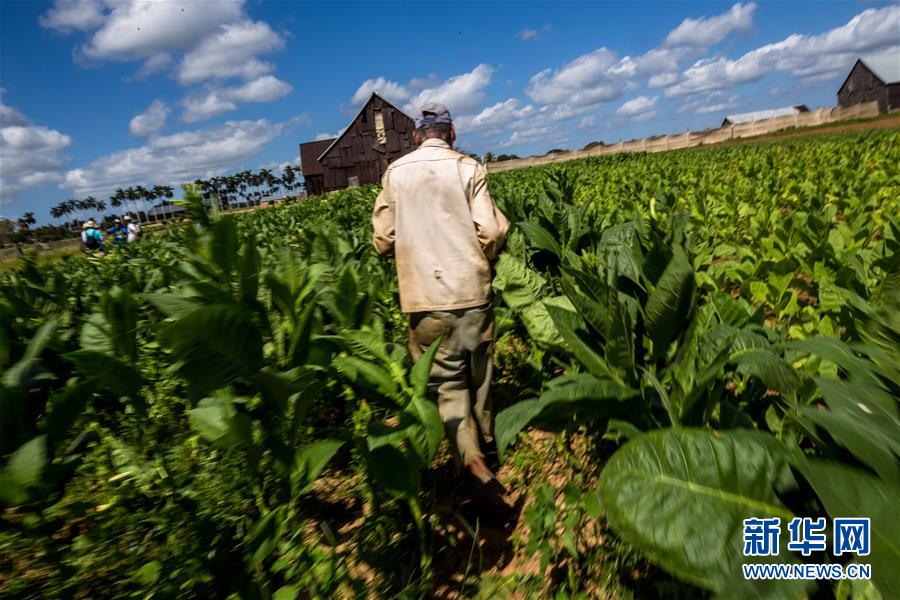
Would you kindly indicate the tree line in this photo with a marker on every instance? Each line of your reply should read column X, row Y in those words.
column 242, row 189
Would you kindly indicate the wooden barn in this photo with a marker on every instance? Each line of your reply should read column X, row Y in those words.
column 875, row 77
column 379, row 134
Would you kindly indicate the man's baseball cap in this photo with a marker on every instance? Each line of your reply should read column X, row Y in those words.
column 433, row 113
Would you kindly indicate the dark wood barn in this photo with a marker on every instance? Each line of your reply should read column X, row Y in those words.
column 873, row 78
column 312, row 169
column 379, row 134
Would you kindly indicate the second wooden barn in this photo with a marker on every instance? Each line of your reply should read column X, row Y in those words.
column 379, row 134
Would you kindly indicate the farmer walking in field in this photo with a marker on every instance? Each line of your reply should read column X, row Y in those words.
column 436, row 217
column 92, row 237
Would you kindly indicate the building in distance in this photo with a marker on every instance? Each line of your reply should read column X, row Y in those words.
column 873, row 77
column 379, row 134
column 759, row 115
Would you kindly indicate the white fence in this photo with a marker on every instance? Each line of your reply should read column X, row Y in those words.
column 690, row 139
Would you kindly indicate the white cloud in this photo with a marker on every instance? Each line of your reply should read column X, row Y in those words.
column 714, row 102
column 534, row 35
column 10, row 117
column 29, row 154
column 462, row 94
column 150, row 121
column 799, row 55
column 176, row 158
column 265, row 89
column 218, row 101
column 588, row 123
column 662, row 80
column 231, row 53
column 325, row 136
column 709, row 31
column 391, row 91
column 495, row 117
column 526, row 134
column 155, row 64
column 637, row 106
column 205, row 106
column 589, row 79
column 138, row 29
column 69, row 15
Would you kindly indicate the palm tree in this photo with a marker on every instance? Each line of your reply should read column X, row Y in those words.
column 289, row 178
column 132, row 196
column 27, row 220
column 489, row 157
column 265, row 178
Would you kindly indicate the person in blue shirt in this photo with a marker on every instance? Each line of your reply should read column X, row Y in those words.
column 92, row 237
column 118, row 232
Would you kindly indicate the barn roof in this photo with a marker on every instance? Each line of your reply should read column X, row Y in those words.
column 765, row 114
column 309, row 156
column 359, row 112
column 885, row 66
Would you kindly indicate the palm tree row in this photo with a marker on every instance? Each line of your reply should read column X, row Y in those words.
column 247, row 188
column 240, row 189
column 76, row 207
column 139, row 195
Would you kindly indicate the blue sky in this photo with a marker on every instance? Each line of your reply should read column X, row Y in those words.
column 99, row 94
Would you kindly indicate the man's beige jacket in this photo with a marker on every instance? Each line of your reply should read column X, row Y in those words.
column 436, row 216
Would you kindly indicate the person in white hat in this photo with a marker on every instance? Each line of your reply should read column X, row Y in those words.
column 92, row 237
column 436, row 217
column 134, row 229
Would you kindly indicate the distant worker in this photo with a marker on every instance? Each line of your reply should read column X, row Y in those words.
column 117, row 232
column 92, row 237
column 436, row 217
column 134, row 229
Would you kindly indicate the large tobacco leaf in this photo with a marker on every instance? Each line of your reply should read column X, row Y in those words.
column 681, row 495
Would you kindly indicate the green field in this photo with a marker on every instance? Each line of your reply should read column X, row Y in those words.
column 684, row 340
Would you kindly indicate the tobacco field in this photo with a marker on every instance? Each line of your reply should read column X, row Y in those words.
column 683, row 341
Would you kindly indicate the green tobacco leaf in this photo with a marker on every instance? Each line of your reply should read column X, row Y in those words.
column 567, row 323
column 219, row 422
column 109, row 372
column 849, row 492
column 581, row 396
column 172, row 306
column 421, row 371
column 216, row 344
column 670, row 302
column 26, row 464
column 395, row 470
column 510, row 421
column 96, row 335
column 519, row 285
column 26, row 367
column 768, row 368
column 432, row 429
column 680, row 496
column 863, row 419
column 286, row 592
column 540, row 237
column 249, row 270
column 225, row 244
column 840, row 354
column 263, row 538
column 40, row 339
column 311, row 460
column 378, row 434
column 364, row 372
